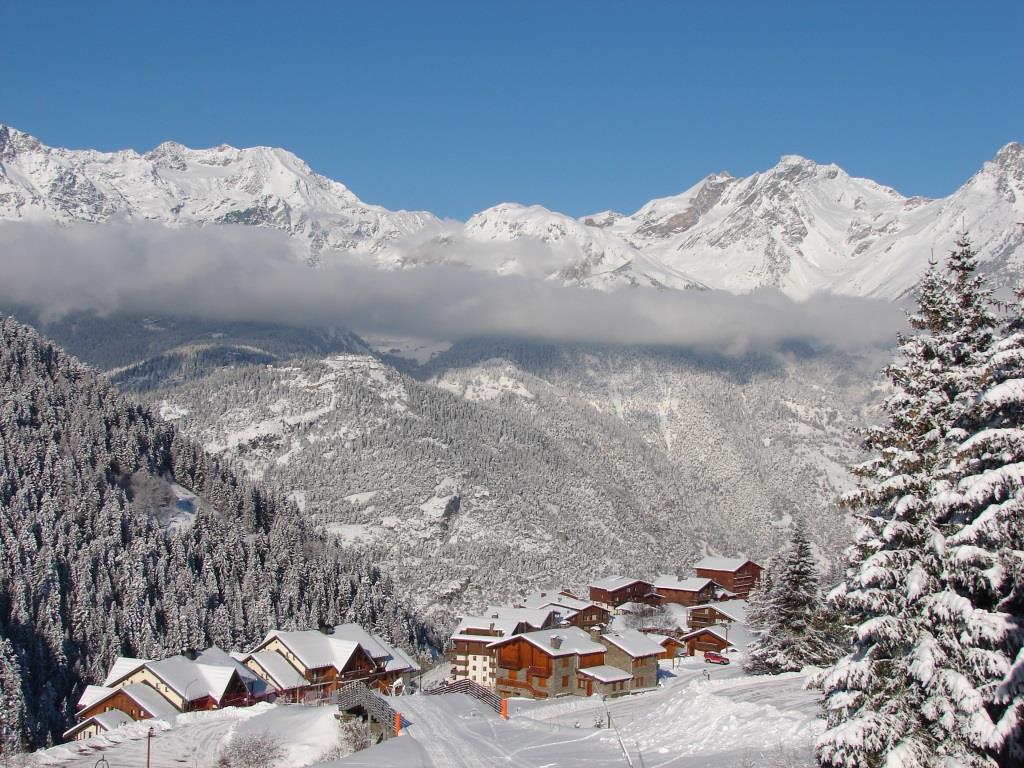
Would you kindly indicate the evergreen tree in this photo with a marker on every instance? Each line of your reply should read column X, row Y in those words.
column 908, row 694
column 792, row 635
column 12, row 698
column 980, row 502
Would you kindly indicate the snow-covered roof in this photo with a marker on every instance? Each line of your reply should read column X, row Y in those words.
column 570, row 641
column 556, row 600
column 534, row 617
column 91, row 695
column 692, row 584
column 633, row 642
column 214, row 656
column 281, row 674
column 314, row 649
column 147, row 698
column 396, row 660
column 504, row 627
column 192, row 680
column 122, row 667
column 730, row 564
column 606, row 673
column 107, row 721
column 736, row 610
column 717, row 631
column 612, row 583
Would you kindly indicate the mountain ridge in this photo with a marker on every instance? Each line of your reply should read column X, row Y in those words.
column 801, row 227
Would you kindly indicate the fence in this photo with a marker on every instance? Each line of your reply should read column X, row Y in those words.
column 474, row 690
column 358, row 694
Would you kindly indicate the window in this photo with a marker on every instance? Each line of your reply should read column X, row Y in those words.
column 565, row 681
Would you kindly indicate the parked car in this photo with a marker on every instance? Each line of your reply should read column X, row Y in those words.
column 710, row 657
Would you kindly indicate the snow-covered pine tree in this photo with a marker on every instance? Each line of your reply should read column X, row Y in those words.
column 980, row 500
column 791, row 636
column 12, row 699
column 760, row 599
column 906, row 695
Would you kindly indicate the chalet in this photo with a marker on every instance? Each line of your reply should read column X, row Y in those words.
column 613, row 591
column 710, row 614
column 544, row 664
column 97, row 724
column 190, row 684
column 671, row 647
column 137, row 701
column 690, row 591
column 635, row 653
column 531, row 619
column 395, row 668
column 706, row 639
column 604, row 680
column 570, row 610
column 324, row 661
column 738, row 575
column 279, row 675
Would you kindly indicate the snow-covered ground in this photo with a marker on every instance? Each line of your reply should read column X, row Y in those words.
column 701, row 717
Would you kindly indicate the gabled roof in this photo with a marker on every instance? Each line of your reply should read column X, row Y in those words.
column 192, row 680
column 214, row 656
column 107, row 721
column 314, row 649
column 122, row 667
column 714, row 630
column 692, row 584
column 504, row 627
column 729, row 564
column 570, row 640
column 633, row 642
column 281, row 674
column 735, row 610
column 147, row 698
column 91, row 695
column 614, row 583
column 556, row 600
column 534, row 617
column 605, row 673
column 394, row 658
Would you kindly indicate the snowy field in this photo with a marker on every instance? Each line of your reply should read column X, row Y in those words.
column 701, row 716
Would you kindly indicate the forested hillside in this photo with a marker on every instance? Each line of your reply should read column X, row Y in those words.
column 119, row 536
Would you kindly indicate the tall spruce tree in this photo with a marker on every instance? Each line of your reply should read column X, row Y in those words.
column 792, row 635
column 979, row 497
column 908, row 695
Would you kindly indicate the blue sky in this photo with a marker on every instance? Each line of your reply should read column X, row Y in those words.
column 455, row 106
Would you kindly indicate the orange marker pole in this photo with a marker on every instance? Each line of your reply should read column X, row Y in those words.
column 504, row 708
column 398, row 723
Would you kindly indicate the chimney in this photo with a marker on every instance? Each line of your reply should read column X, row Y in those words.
column 595, row 633
column 325, row 628
column 189, row 653
column 556, row 641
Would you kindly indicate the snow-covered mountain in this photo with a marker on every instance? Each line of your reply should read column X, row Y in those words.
column 804, row 227
column 177, row 186
column 800, row 226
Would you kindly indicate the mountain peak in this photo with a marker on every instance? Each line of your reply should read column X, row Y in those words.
column 1010, row 156
column 13, row 141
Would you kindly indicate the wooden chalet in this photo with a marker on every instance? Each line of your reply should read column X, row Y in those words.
column 671, row 647
column 325, row 662
column 706, row 639
column 97, row 724
column 544, row 664
column 724, row 613
column 136, row 701
column 689, row 591
column 394, row 667
column 604, row 680
column 737, row 575
column 569, row 609
column 613, row 591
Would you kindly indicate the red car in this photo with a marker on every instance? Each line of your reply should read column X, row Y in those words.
column 710, row 657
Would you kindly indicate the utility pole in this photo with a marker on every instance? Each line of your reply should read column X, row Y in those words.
column 149, row 744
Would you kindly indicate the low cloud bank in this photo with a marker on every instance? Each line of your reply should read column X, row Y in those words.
column 245, row 274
